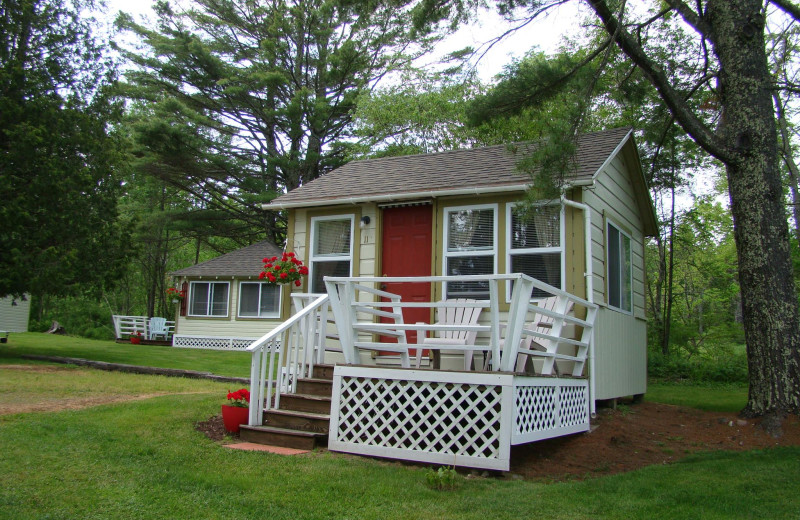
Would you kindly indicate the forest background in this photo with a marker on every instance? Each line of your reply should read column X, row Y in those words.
column 183, row 125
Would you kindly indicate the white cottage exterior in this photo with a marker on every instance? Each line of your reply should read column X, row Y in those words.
column 607, row 195
column 393, row 243
column 15, row 313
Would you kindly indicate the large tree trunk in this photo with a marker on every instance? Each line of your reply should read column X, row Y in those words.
column 747, row 127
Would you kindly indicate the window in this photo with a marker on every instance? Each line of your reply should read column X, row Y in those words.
column 619, row 280
column 331, row 249
column 208, row 299
column 259, row 300
column 470, row 248
column 535, row 246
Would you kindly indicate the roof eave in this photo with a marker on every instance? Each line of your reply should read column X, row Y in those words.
column 390, row 197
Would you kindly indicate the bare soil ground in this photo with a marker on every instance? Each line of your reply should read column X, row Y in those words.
column 628, row 438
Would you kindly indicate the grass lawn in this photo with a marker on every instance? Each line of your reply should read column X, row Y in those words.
column 140, row 457
column 235, row 364
column 712, row 397
column 143, row 459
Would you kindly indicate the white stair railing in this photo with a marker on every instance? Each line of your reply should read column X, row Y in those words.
column 287, row 353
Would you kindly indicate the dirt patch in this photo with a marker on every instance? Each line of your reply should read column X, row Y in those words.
column 67, row 403
column 38, row 369
column 214, row 429
column 641, row 435
column 625, row 439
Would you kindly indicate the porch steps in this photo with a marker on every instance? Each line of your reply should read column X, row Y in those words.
column 303, row 418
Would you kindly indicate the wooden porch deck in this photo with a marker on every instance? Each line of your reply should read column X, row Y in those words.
column 465, row 418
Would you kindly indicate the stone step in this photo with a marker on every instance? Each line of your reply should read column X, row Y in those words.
column 272, row 436
column 315, row 386
column 323, row 372
column 294, row 420
column 306, row 403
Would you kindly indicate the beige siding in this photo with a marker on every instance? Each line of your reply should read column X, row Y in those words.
column 620, row 355
column 612, row 198
column 231, row 326
column 620, row 338
column 14, row 313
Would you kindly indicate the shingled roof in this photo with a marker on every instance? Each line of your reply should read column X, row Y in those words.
column 491, row 168
column 242, row 262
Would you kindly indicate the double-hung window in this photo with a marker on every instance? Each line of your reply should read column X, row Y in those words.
column 331, row 249
column 620, row 276
column 470, row 248
column 259, row 300
column 208, row 299
column 535, row 245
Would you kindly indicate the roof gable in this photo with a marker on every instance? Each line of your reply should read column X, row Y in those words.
column 481, row 170
column 246, row 261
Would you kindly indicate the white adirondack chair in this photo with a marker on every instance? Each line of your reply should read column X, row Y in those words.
column 158, row 327
column 451, row 338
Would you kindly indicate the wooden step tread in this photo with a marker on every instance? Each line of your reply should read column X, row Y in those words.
column 309, row 397
column 306, row 415
column 284, row 431
column 315, row 380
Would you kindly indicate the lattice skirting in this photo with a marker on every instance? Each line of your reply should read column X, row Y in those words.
column 549, row 407
column 458, row 418
column 211, row 343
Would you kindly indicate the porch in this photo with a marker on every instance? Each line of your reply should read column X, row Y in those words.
column 523, row 382
column 149, row 329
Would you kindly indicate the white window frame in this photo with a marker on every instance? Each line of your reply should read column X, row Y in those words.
column 446, row 255
column 314, row 258
column 208, row 315
column 622, row 233
column 510, row 251
column 261, row 285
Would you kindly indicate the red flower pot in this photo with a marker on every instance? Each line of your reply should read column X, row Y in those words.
column 136, row 340
column 233, row 416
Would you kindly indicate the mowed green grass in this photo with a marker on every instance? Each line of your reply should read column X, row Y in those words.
column 236, row 364
column 144, row 459
column 711, row 397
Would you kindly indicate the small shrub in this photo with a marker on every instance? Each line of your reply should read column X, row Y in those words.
column 441, row 479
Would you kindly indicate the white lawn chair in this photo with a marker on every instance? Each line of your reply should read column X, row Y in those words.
column 531, row 345
column 158, row 327
column 455, row 337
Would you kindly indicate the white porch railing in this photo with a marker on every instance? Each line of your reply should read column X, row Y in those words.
column 354, row 305
column 287, row 353
column 127, row 325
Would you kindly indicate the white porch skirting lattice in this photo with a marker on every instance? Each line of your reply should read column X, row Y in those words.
column 455, row 418
column 211, row 343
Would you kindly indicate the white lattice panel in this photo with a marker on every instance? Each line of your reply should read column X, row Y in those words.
column 549, row 407
column 439, row 417
column 211, row 343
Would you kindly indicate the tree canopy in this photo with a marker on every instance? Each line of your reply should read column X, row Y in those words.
column 250, row 99
column 718, row 88
column 58, row 156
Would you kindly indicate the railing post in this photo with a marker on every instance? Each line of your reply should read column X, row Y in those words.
column 494, row 314
column 520, row 297
column 256, row 396
column 341, row 316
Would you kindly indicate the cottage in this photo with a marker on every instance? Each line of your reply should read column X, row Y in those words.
column 225, row 305
column 14, row 315
column 391, row 241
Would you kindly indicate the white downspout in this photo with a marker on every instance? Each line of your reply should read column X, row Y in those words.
column 589, row 276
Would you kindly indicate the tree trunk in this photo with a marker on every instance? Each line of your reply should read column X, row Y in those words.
column 747, row 126
column 670, row 275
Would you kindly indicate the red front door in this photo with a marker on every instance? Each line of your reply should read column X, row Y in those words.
column 407, row 245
